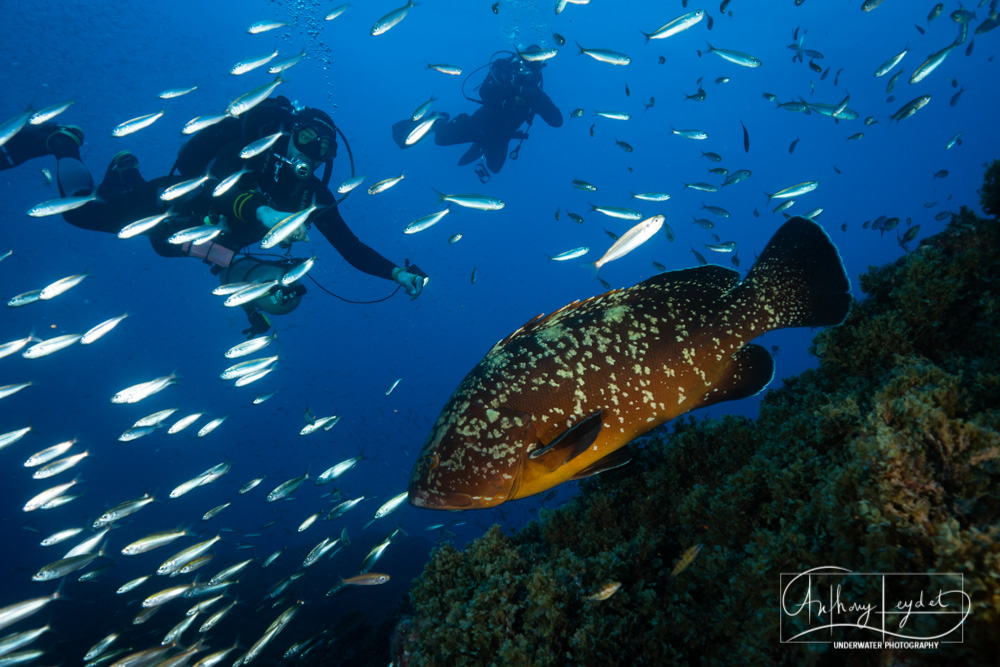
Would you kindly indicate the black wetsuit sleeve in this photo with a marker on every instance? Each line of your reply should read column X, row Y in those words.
column 542, row 105
column 360, row 256
column 241, row 202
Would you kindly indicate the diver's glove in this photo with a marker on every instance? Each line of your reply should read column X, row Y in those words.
column 411, row 282
column 259, row 324
column 269, row 217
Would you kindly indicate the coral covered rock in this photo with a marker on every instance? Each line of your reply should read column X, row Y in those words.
column 989, row 196
column 886, row 458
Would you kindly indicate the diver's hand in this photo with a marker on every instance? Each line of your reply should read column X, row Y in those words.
column 411, row 282
column 270, row 217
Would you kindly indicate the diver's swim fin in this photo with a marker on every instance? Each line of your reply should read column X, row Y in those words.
column 474, row 153
column 401, row 130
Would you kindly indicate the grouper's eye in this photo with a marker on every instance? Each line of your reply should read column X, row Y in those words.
column 430, row 462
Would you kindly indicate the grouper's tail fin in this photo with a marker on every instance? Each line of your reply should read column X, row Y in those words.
column 799, row 278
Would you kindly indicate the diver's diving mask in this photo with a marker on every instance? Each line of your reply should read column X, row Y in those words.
column 308, row 141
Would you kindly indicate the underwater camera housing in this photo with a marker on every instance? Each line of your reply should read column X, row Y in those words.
column 279, row 301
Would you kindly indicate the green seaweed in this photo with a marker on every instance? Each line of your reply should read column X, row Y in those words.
column 885, row 458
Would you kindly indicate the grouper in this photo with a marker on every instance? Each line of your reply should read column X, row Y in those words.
column 561, row 397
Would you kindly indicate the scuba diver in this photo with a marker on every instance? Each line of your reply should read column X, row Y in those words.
column 272, row 185
column 511, row 97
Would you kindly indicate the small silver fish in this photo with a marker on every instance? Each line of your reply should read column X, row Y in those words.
column 58, row 206
column 184, row 422
column 421, row 111
column 337, row 11
column 286, row 62
column 698, row 135
column 264, row 26
column 11, row 127
column 931, row 64
column 101, row 329
column 136, row 124
column 199, row 123
column 421, row 130
column 247, row 101
column 249, row 64
column 793, row 191
column 631, row 239
column 444, row 68
column 478, row 202
column 48, row 113
column 570, row 254
column 50, row 346
column 420, row 224
column 390, row 20
column 679, row 24
column 246, row 295
column 298, row 271
column 735, row 57
column 350, row 184
column 171, row 93
column 195, row 235
column 62, row 285
column 17, row 301
column 287, row 488
column 605, row 56
column 384, row 184
column 184, row 187
column 887, row 66
column 257, row 147
column 143, row 225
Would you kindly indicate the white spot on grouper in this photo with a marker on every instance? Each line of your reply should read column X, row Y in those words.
column 616, row 314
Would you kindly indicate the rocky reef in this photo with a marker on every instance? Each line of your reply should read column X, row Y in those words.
column 885, row 458
column 989, row 195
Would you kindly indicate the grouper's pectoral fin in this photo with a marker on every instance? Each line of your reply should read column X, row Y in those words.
column 570, row 443
column 749, row 370
column 615, row 459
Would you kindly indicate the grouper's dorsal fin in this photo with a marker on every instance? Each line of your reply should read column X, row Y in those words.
column 537, row 322
column 570, row 443
column 519, row 331
column 748, row 372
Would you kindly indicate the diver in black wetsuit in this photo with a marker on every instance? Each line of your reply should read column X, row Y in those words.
column 511, row 97
column 281, row 182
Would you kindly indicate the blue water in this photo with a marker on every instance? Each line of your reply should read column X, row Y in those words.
column 114, row 58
